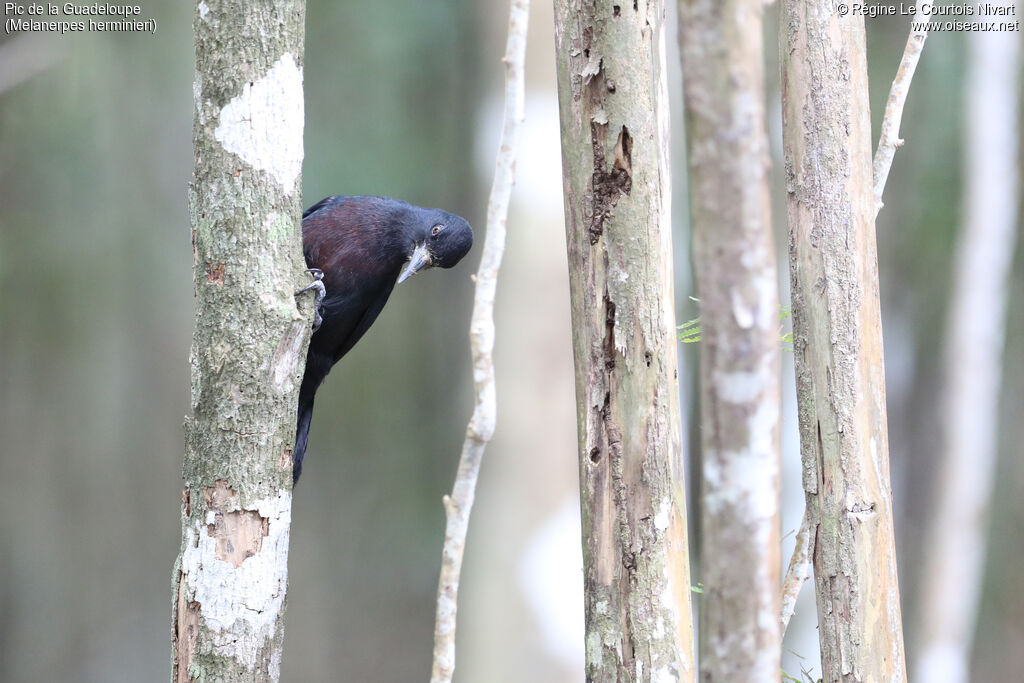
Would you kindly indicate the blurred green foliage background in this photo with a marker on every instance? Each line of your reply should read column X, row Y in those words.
column 401, row 100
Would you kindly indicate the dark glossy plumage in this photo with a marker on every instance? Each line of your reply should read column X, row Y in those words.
column 361, row 244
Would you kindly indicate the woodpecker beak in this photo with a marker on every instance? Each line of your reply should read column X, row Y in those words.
column 420, row 259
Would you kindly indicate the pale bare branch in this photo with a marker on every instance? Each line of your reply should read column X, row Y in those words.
column 457, row 506
column 889, row 139
column 798, row 572
column 957, row 525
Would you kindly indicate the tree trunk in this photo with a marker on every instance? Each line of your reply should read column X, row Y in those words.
column 248, row 348
column 720, row 42
column 838, row 341
column 614, row 119
column 954, row 553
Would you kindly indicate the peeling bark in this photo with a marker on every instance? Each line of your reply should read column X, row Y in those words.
column 838, row 341
column 734, row 256
column 614, row 120
column 249, row 343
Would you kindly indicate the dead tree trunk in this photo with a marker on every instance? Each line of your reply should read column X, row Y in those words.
column 838, row 341
column 249, row 344
column 614, row 119
column 734, row 257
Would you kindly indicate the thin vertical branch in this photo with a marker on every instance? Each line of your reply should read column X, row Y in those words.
column 798, row 572
column 956, row 537
column 889, row 139
column 481, row 425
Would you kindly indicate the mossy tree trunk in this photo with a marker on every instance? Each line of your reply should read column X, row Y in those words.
column 734, row 257
column 838, row 341
column 614, row 120
column 248, row 348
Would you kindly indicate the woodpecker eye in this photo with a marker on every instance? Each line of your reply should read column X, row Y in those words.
column 436, row 229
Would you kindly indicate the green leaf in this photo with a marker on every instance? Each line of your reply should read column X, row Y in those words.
column 690, row 332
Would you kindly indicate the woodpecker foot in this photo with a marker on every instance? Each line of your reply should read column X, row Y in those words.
column 316, row 286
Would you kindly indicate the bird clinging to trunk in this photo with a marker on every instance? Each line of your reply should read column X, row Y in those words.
column 360, row 248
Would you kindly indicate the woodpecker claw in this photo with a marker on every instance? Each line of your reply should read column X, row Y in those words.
column 316, row 286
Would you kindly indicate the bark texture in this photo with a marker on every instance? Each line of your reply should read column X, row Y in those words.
column 957, row 535
column 838, row 341
column 723, row 78
column 248, row 348
column 614, row 120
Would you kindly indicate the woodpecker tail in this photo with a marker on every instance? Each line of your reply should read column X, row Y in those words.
column 301, row 437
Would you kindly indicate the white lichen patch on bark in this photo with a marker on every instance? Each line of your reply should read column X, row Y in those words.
column 741, row 386
column 197, row 96
column 746, row 471
column 284, row 364
column 664, row 674
column 664, row 514
column 263, row 125
column 240, row 605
